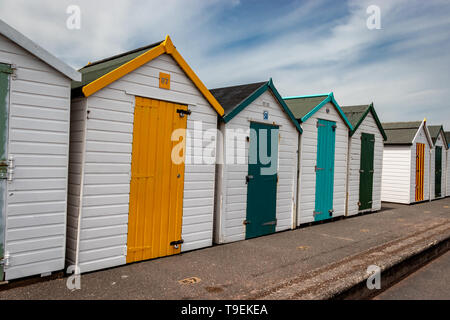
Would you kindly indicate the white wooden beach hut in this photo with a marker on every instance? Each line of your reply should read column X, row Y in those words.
column 34, row 150
column 447, row 191
column 323, row 151
column 406, row 162
column 133, row 193
column 255, row 198
column 365, row 159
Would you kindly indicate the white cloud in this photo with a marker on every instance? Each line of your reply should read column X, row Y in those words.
column 404, row 68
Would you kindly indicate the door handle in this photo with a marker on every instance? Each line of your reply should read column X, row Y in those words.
column 177, row 243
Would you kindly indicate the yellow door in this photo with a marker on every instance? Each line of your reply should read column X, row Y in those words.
column 157, row 183
column 420, row 170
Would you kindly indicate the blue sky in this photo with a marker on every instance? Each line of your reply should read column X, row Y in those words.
column 307, row 47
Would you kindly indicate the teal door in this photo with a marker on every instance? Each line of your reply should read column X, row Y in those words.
column 262, row 180
column 366, row 171
column 5, row 70
column 438, row 172
column 326, row 137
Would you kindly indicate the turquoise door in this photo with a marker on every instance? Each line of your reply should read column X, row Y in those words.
column 326, row 136
column 262, row 180
column 5, row 70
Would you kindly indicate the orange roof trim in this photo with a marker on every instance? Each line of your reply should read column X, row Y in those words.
column 165, row 47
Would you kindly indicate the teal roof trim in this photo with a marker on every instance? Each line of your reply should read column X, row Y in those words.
column 255, row 95
column 329, row 98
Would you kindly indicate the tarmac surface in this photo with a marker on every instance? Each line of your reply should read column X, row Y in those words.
column 431, row 282
column 243, row 268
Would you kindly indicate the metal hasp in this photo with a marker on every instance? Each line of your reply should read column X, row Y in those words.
column 177, row 243
column 183, row 112
column 247, row 178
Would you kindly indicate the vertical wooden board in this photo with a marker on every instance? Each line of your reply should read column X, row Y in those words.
column 261, row 188
column 366, row 171
column 420, row 168
column 4, row 119
column 326, row 140
column 438, row 172
column 156, row 192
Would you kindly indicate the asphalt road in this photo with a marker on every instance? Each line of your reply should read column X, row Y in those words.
column 431, row 282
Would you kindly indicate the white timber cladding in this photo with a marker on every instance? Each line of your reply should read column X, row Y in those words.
column 439, row 143
column 107, row 165
column 39, row 119
column 308, row 160
column 367, row 126
column 231, row 206
column 421, row 137
column 396, row 178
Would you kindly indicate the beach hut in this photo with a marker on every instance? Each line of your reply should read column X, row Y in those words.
column 34, row 148
column 406, row 162
column 438, row 162
column 447, row 137
column 365, row 159
column 257, row 170
column 323, row 153
column 142, row 160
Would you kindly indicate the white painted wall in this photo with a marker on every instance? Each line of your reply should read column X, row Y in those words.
column 231, row 206
column 396, row 177
column 439, row 143
column 448, row 173
column 104, row 216
column 367, row 126
column 421, row 137
column 39, row 142
column 308, row 158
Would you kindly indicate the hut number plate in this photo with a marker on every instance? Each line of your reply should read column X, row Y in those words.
column 164, row 80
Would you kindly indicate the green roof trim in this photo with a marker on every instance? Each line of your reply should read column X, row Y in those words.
column 370, row 108
column 327, row 98
column 269, row 85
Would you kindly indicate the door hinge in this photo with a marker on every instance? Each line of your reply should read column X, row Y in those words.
column 319, row 124
column 316, row 213
column 4, row 261
column 182, row 112
column 246, row 222
column 177, row 243
column 10, row 170
column 316, row 168
column 270, row 223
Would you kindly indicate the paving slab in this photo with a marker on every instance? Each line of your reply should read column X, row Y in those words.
column 244, row 269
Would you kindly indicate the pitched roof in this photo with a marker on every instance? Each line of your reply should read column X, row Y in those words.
column 447, row 136
column 356, row 115
column 230, row 97
column 95, row 70
column 401, row 132
column 24, row 42
column 236, row 98
column 303, row 107
column 300, row 107
column 435, row 131
column 102, row 73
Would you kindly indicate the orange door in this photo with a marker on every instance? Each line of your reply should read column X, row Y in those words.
column 420, row 170
column 157, row 183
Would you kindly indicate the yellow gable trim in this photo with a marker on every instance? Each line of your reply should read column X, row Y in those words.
column 165, row 47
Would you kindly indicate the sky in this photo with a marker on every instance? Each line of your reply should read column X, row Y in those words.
column 306, row 47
